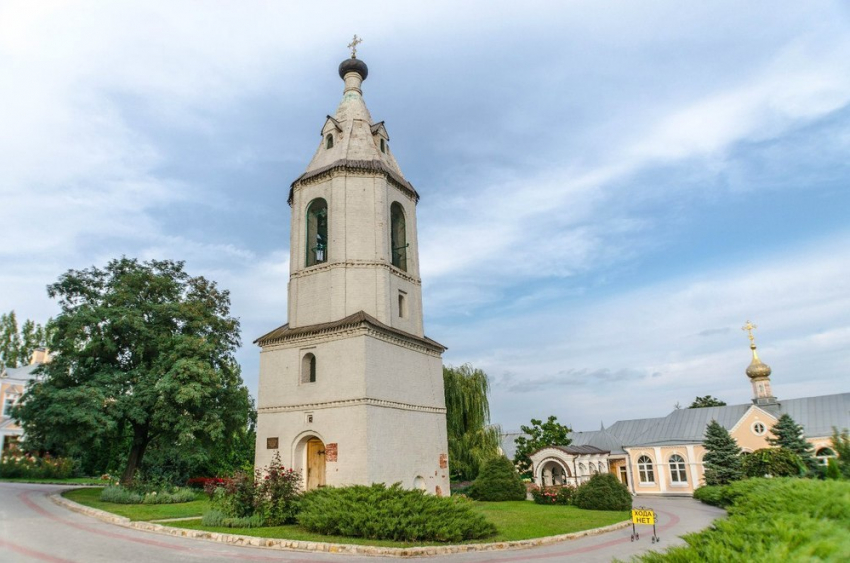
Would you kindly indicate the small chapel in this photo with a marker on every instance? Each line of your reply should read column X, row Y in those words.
column 351, row 389
column 664, row 456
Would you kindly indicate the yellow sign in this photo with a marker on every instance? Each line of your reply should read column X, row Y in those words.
column 643, row 516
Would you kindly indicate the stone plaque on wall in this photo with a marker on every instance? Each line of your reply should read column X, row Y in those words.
column 444, row 461
column 330, row 452
column 271, row 443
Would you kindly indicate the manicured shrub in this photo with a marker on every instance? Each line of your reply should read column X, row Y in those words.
column 563, row 495
column 391, row 513
column 122, row 495
column 498, row 480
column 776, row 462
column 603, row 492
column 779, row 519
column 217, row 519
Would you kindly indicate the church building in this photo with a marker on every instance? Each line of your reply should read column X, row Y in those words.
column 351, row 389
column 664, row 456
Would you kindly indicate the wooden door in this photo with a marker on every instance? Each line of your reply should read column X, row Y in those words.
column 315, row 464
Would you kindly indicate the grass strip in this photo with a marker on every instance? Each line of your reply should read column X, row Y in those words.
column 144, row 512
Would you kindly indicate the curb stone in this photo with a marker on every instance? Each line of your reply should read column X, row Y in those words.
column 300, row 545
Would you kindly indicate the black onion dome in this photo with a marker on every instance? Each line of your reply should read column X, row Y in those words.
column 353, row 65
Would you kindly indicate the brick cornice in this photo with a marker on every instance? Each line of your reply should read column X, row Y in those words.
column 361, row 401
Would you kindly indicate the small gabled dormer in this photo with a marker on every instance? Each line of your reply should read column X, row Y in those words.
column 381, row 138
column 331, row 131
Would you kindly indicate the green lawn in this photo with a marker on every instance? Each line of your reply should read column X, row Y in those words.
column 70, row 481
column 91, row 497
column 518, row 520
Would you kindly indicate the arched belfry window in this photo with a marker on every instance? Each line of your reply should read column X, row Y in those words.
column 329, row 141
column 308, row 368
column 317, row 232
column 398, row 236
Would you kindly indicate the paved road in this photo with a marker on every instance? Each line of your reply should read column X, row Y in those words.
column 34, row 529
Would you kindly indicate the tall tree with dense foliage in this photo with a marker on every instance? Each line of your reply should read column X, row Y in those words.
column 472, row 439
column 17, row 346
column 841, row 447
column 540, row 435
column 788, row 434
column 722, row 460
column 707, row 401
column 143, row 354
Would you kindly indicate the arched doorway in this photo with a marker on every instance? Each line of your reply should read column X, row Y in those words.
column 553, row 473
column 315, row 464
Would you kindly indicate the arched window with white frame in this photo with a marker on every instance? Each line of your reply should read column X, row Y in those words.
column 678, row 471
column 823, row 455
column 646, row 471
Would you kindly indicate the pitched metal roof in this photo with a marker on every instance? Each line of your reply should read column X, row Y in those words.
column 687, row 426
column 508, row 443
column 20, row 375
column 602, row 439
column 817, row 415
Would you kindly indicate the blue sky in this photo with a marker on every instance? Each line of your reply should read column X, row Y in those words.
column 609, row 190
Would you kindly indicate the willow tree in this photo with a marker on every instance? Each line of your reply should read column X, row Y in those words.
column 472, row 439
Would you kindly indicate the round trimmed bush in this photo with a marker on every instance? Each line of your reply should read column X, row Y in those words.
column 603, row 492
column 776, row 462
column 498, row 480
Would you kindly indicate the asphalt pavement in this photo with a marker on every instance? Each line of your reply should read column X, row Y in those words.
column 33, row 529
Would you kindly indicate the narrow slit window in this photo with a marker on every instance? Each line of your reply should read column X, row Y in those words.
column 398, row 236
column 329, row 141
column 383, row 146
column 317, row 232
column 401, row 305
column 308, row 368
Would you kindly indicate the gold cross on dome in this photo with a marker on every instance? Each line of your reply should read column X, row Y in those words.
column 749, row 328
column 353, row 46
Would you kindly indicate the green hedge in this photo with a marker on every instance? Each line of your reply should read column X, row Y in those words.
column 780, row 519
column 391, row 513
column 120, row 495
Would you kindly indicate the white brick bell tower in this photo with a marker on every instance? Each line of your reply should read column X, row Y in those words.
column 351, row 390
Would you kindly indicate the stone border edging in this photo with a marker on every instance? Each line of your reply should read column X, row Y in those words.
column 299, row 545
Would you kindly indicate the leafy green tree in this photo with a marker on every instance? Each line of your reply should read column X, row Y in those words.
column 841, row 447
column 540, row 435
column 143, row 355
column 789, row 435
column 498, row 481
column 10, row 340
column 722, row 460
column 17, row 346
column 707, row 401
column 472, row 439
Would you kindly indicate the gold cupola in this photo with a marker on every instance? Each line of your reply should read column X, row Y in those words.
column 758, row 372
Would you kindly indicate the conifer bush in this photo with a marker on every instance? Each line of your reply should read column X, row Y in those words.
column 722, row 460
column 391, row 513
column 780, row 519
column 603, row 492
column 498, row 480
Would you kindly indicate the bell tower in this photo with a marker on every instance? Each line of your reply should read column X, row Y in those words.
column 351, row 390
